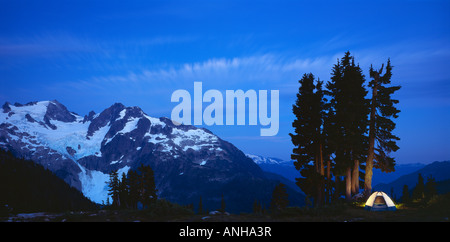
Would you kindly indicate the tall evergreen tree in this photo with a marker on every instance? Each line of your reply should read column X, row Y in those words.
column 405, row 194
column 347, row 120
column 133, row 188
column 419, row 191
column 381, row 140
column 308, row 138
column 257, row 207
column 113, row 188
column 123, row 191
column 147, row 185
column 279, row 198
column 430, row 188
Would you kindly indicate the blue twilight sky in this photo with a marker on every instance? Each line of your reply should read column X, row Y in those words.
column 91, row 54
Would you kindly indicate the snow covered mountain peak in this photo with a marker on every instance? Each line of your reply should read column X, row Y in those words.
column 38, row 112
column 50, row 124
column 84, row 150
column 265, row 160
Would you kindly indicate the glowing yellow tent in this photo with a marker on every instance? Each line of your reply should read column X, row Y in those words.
column 379, row 201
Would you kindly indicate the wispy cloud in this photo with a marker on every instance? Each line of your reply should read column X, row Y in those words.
column 259, row 71
column 43, row 44
column 221, row 73
column 63, row 45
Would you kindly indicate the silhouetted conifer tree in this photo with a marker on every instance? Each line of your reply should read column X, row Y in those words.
column 405, row 194
column 419, row 191
column 430, row 188
column 257, row 208
column 133, row 188
column 279, row 198
column 308, row 137
column 113, row 188
column 147, row 185
column 381, row 140
column 123, row 191
column 348, row 120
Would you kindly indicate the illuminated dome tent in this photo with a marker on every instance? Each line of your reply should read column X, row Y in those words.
column 379, row 201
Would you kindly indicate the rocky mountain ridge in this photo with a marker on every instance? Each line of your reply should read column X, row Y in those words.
column 188, row 162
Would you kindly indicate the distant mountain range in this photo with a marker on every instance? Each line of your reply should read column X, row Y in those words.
column 276, row 165
column 188, row 162
column 400, row 170
column 439, row 170
column 405, row 174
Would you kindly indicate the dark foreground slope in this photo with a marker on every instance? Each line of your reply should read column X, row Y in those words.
column 28, row 187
